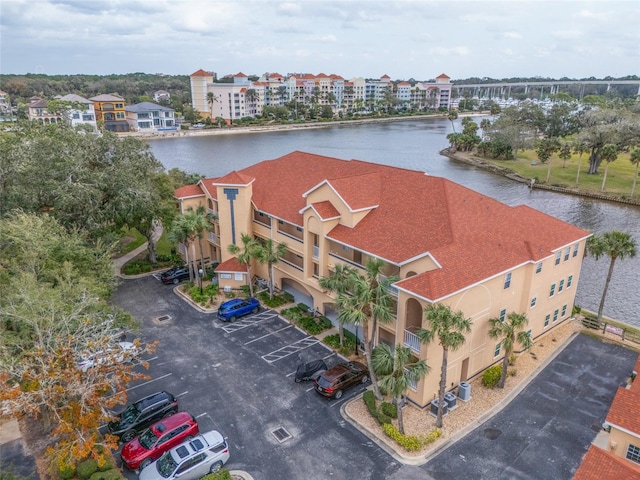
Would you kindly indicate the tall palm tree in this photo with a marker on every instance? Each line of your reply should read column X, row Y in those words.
column 368, row 302
column 609, row 154
column 510, row 331
column 397, row 371
column 245, row 255
column 635, row 160
column 184, row 230
column 211, row 99
column 580, row 148
column 614, row 245
column 453, row 115
column 201, row 221
column 449, row 327
column 339, row 282
column 270, row 253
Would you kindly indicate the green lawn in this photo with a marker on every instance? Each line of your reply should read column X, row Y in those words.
column 619, row 176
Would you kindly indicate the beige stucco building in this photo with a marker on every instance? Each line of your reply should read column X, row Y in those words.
column 446, row 243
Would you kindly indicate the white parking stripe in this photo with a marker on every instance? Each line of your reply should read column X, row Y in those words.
column 268, row 334
column 201, row 415
column 150, row 381
column 182, row 394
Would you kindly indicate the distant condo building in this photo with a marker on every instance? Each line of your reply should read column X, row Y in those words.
column 236, row 96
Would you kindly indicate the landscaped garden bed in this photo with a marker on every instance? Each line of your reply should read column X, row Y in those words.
column 307, row 319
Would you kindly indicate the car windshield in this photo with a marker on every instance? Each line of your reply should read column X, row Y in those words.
column 166, row 465
column 147, row 439
column 323, row 382
column 130, row 414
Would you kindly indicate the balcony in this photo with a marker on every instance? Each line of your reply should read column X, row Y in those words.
column 213, row 238
column 412, row 341
column 392, row 290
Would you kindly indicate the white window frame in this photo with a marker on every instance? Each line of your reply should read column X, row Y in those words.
column 533, row 303
column 538, row 267
column 558, row 257
column 633, row 453
column 507, row 280
column 497, row 350
column 552, row 290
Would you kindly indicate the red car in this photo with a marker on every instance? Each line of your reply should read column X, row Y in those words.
column 157, row 439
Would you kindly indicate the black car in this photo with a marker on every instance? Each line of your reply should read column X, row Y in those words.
column 175, row 275
column 139, row 415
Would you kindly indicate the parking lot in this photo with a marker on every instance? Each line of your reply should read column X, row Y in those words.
column 238, row 378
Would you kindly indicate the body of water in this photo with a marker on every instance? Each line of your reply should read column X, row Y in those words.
column 415, row 144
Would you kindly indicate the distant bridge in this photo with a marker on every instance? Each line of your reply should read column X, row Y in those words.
column 503, row 90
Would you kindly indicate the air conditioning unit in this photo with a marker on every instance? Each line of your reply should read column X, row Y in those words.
column 227, row 289
column 464, row 391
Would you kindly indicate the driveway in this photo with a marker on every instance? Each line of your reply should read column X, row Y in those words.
column 544, row 432
column 238, row 378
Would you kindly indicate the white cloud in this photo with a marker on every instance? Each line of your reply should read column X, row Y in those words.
column 512, row 35
column 459, row 51
column 568, row 34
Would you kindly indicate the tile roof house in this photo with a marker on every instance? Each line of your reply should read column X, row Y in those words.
column 445, row 243
column 150, row 117
column 110, row 112
column 84, row 115
column 37, row 111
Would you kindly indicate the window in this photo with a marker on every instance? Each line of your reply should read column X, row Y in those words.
column 633, row 453
column 533, row 302
column 567, row 252
column 119, row 105
column 76, row 116
column 503, row 314
column 496, row 351
column 569, row 281
column 552, row 291
column 539, row 267
column 546, row 320
column 576, row 247
column 119, row 115
column 507, row 280
column 564, row 311
column 558, row 257
column 238, row 277
column 555, row 314
column 561, row 286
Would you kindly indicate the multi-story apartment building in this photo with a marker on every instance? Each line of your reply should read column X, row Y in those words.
column 110, row 112
column 446, row 244
column 150, row 117
column 229, row 100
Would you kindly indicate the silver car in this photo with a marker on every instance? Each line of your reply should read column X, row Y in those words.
column 203, row 454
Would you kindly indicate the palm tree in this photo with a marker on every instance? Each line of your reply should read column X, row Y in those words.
column 339, row 282
column 609, row 154
column 211, row 99
column 635, row 160
column 270, row 253
column 614, row 245
column 397, row 372
column 511, row 332
column 201, row 220
column 368, row 302
column 450, row 328
column 245, row 255
column 183, row 230
column 580, row 148
column 453, row 115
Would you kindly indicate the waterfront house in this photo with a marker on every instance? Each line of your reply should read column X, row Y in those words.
column 446, row 243
column 37, row 111
column 110, row 112
column 82, row 113
column 150, row 117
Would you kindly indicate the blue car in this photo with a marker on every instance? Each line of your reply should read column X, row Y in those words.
column 238, row 307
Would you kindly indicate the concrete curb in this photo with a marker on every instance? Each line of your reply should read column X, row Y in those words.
column 241, row 473
column 418, row 461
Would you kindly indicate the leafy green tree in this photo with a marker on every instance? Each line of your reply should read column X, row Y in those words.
column 368, row 302
column 339, row 281
column 397, row 371
column 509, row 330
column 614, row 245
column 564, row 153
column 245, row 255
column 609, row 154
column 545, row 149
column 635, row 160
column 450, row 328
column 270, row 253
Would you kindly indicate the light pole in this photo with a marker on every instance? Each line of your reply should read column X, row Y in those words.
column 200, row 274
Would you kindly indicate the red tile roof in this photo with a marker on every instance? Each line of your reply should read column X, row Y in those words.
column 442, row 75
column 598, row 464
column 625, row 411
column 200, row 73
column 234, row 178
column 231, row 265
column 635, row 386
column 325, row 210
column 189, row 191
column 240, row 75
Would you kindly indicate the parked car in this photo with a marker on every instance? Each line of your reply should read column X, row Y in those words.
column 121, row 352
column 336, row 380
column 193, row 459
column 237, row 307
column 139, row 415
column 157, row 439
column 175, row 275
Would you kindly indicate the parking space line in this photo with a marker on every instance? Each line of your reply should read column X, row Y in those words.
column 182, row 394
column 247, row 322
column 265, row 336
column 148, row 382
column 326, row 357
column 201, row 415
column 290, row 349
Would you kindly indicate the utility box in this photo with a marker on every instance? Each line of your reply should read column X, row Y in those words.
column 434, row 407
column 451, row 400
column 464, row 391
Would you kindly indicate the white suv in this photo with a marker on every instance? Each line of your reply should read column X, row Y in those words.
column 203, row 454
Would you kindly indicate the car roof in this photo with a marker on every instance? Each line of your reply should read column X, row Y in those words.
column 171, row 422
column 154, row 398
column 336, row 371
column 232, row 302
column 197, row 443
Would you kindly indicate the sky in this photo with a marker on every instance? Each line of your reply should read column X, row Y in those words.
column 405, row 39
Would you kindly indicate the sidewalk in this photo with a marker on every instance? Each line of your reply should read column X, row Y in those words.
column 120, row 262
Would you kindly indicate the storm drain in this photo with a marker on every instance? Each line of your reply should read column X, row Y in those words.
column 281, row 434
column 164, row 318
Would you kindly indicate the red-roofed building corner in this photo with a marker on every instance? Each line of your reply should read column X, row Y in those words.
column 446, row 243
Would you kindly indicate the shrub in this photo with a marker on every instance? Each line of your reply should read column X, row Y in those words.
column 512, row 359
column 348, row 346
column 274, row 302
column 512, row 373
column 112, row 474
column 408, row 442
column 370, row 401
column 246, row 291
column 222, row 474
column 66, row 472
column 86, row 468
column 491, row 376
column 389, row 409
column 288, row 297
column 304, row 308
column 431, row 437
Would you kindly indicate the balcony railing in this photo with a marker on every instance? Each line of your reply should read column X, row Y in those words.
column 392, row 290
column 213, row 238
column 412, row 381
column 412, row 341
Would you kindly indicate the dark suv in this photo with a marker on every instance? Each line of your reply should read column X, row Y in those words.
column 334, row 381
column 175, row 275
column 238, row 307
column 139, row 415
